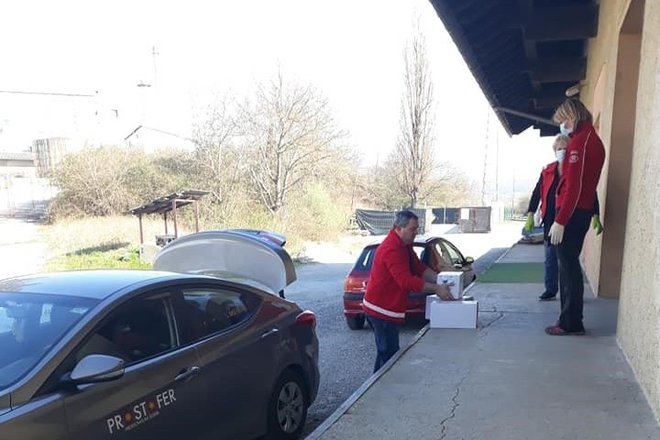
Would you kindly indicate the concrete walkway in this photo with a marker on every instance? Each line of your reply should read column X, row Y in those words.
column 507, row 380
column 22, row 250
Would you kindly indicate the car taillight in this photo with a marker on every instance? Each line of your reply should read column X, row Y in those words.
column 306, row 318
column 354, row 284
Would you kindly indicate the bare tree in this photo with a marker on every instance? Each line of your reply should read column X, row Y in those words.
column 414, row 147
column 290, row 135
column 218, row 158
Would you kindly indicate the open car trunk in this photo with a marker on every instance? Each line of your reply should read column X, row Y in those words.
column 248, row 255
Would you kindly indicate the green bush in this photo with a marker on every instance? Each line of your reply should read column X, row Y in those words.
column 112, row 180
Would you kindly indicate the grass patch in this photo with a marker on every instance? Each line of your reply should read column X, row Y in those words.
column 126, row 257
column 97, row 243
column 514, row 273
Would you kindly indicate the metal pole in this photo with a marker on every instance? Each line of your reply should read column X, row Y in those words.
column 196, row 215
column 497, row 166
column 141, row 234
column 176, row 231
column 165, row 218
column 485, row 169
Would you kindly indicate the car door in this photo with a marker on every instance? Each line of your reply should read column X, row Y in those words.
column 159, row 394
column 238, row 352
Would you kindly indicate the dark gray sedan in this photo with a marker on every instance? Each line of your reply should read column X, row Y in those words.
column 159, row 354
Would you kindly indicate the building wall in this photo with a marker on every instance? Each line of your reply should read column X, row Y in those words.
column 639, row 290
column 639, row 313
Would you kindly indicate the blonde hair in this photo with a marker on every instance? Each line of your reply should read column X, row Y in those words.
column 560, row 140
column 572, row 108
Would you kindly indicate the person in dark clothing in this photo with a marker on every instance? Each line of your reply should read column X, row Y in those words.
column 575, row 198
column 544, row 193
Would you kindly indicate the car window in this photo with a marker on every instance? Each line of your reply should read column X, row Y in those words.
column 449, row 253
column 206, row 311
column 444, row 254
column 30, row 324
column 365, row 259
column 137, row 330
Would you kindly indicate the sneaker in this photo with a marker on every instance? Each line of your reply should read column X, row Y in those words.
column 547, row 296
column 555, row 330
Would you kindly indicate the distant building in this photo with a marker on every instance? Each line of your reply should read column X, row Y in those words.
column 48, row 153
column 16, row 164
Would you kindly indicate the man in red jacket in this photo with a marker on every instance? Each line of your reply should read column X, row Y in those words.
column 395, row 272
column 575, row 196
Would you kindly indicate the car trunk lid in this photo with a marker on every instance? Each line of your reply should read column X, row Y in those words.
column 244, row 254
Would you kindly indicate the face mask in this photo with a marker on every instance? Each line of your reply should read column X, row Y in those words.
column 565, row 130
column 560, row 154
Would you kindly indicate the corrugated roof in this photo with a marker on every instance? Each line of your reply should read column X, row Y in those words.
column 164, row 204
column 524, row 54
column 9, row 155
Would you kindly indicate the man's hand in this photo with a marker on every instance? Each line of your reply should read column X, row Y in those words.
column 596, row 224
column 442, row 290
column 529, row 224
column 556, row 233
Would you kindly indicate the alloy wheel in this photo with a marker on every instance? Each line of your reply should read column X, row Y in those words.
column 290, row 407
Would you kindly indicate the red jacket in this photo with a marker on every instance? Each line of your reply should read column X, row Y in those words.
column 581, row 169
column 547, row 177
column 396, row 270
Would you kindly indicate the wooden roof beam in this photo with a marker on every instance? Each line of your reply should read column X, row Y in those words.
column 548, row 100
column 549, row 70
column 559, row 23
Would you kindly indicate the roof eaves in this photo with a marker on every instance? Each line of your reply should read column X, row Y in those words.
column 456, row 32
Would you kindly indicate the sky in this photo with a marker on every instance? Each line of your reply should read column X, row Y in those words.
column 351, row 51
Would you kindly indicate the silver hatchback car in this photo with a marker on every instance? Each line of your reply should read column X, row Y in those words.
column 203, row 348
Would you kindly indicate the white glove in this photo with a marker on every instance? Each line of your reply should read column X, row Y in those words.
column 556, row 233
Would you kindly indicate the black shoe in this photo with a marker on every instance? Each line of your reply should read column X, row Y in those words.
column 547, row 296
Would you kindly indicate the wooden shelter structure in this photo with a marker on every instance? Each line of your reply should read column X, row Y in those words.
column 166, row 204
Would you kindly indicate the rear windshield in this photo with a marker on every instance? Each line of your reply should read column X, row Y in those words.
column 365, row 259
column 30, row 324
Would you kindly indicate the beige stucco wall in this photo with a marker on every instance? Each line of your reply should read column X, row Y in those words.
column 601, row 67
column 639, row 308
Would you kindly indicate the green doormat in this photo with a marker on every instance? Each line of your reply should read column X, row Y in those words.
column 513, row 273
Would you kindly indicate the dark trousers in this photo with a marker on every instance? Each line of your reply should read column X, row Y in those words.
column 551, row 268
column 386, row 334
column 570, row 272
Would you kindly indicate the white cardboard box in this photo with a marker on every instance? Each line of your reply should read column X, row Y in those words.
column 451, row 314
column 455, row 281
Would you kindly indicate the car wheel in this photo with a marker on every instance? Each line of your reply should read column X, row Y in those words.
column 355, row 322
column 287, row 408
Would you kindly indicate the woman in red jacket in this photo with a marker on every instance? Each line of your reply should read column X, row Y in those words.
column 544, row 193
column 576, row 192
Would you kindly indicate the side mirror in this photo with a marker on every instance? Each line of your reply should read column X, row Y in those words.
column 95, row 368
column 469, row 260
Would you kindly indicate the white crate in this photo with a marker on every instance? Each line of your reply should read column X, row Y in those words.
column 451, row 314
column 455, row 281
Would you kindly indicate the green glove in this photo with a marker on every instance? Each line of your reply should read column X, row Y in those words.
column 529, row 224
column 596, row 225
